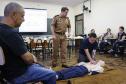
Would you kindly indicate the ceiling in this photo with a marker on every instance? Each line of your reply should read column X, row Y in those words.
column 60, row 2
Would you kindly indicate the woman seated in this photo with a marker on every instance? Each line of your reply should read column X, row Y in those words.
column 81, row 69
column 105, row 41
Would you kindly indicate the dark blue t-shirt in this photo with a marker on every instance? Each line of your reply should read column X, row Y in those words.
column 13, row 47
column 85, row 44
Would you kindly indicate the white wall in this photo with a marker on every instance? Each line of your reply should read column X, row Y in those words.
column 78, row 9
column 105, row 13
column 52, row 10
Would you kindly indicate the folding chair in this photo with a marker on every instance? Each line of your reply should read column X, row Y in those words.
column 2, row 62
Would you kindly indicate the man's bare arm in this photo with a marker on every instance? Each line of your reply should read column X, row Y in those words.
column 29, row 58
column 88, row 54
column 94, row 54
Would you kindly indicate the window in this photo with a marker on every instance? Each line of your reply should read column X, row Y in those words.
column 79, row 30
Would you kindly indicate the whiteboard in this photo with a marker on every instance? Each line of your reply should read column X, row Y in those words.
column 35, row 21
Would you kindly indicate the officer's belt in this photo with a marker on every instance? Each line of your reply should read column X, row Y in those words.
column 60, row 33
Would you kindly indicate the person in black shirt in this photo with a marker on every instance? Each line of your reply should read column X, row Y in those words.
column 88, row 49
column 20, row 65
column 119, row 42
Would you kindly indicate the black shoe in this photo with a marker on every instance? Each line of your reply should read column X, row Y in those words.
column 65, row 66
column 101, row 53
column 54, row 65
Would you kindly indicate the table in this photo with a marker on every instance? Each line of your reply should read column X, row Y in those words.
column 73, row 42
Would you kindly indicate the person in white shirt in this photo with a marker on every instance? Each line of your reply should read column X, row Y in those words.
column 105, row 41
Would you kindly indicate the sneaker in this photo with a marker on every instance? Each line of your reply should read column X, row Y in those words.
column 65, row 66
column 110, row 51
column 54, row 65
column 115, row 55
column 101, row 53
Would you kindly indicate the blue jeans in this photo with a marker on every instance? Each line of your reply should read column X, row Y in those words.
column 116, row 45
column 36, row 73
column 75, row 71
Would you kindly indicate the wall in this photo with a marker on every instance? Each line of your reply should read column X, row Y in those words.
column 105, row 13
column 51, row 9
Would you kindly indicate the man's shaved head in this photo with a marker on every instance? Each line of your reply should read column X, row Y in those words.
column 12, row 8
column 14, row 14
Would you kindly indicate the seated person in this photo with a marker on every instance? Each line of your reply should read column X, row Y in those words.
column 87, row 49
column 119, row 42
column 92, row 31
column 81, row 69
column 105, row 42
column 20, row 65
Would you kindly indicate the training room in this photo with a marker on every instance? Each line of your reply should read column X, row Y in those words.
column 62, row 42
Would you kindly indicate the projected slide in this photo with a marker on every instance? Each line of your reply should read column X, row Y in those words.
column 35, row 21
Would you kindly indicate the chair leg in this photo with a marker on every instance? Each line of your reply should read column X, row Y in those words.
column 2, row 81
column 69, row 82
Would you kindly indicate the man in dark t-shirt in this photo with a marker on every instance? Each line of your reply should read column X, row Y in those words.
column 87, row 49
column 20, row 65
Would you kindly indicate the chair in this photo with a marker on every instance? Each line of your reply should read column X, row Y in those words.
column 121, row 51
column 39, row 48
column 27, row 45
column 36, row 47
column 2, row 62
column 2, row 59
column 47, row 49
column 32, row 45
column 69, row 48
column 50, row 47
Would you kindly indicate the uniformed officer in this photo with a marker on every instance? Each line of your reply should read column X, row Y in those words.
column 59, row 26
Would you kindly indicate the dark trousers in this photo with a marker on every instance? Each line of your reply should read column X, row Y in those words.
column 82, row 58
column 116, row 45
column 75, row 71
column 102, row 46
column 36, row 73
